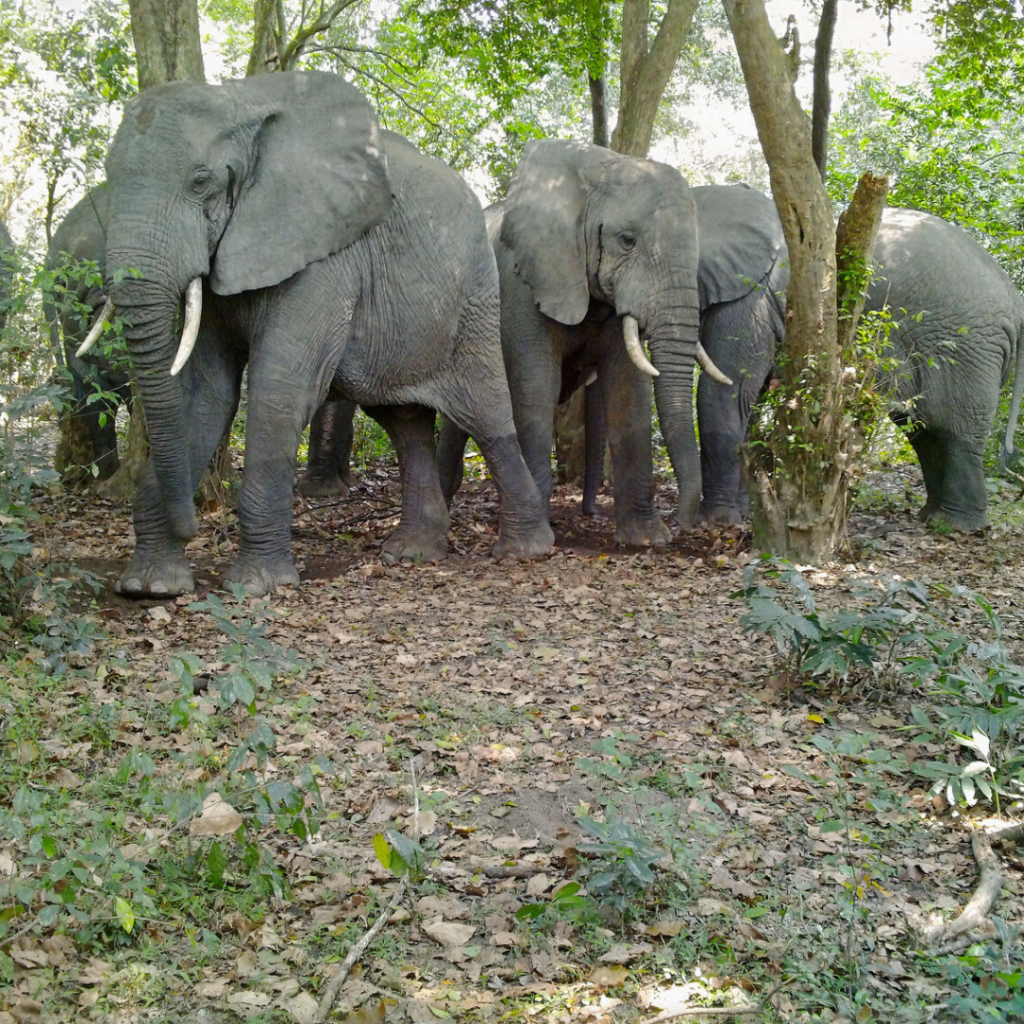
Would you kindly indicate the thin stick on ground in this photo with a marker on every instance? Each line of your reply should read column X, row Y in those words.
column 332, row 990
column 331, row 993
column 719, row 1011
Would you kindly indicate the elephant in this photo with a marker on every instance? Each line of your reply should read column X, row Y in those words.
column 81, row 237
column 596, row 250
column 337, row 261
column 956, row 336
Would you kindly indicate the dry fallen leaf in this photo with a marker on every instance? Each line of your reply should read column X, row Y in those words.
column 664, row 929
column 449, row 933
column 219, row 818
column 607, row 976
column 302, row 1007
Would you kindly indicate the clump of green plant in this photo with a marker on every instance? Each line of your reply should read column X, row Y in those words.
column 619, row 869
column 899, row 633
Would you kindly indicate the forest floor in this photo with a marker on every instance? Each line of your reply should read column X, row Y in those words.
column 760, row 840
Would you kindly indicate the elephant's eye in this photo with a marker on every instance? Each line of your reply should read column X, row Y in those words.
column 627, row 240
column 201, row 177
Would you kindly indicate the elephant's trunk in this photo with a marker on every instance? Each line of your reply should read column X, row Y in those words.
column 150, row 304
column 672, row 342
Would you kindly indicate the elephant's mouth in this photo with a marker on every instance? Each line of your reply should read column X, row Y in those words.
column 189, row 332
column 635, row 348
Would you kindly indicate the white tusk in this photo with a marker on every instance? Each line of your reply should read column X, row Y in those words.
column 631, row 332
column 709, row 367
column 189, row 333
column 96, row 330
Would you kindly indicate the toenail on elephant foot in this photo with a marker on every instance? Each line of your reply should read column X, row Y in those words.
column 643, row 534
column 260, row 577
column 149, row 576
column 720, row 515
column 535, row 544
column 415, row 546
column 322, row 487
column 945, row 521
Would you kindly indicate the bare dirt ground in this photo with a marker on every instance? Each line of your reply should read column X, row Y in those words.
column 482, row 708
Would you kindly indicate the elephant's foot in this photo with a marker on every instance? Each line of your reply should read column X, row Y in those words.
column 945, row 521
column 719, row 515
column 532, row 544
column 151, row 575
column 416, row 545
column 310, row 486
column 261, row 576
column 642, row 533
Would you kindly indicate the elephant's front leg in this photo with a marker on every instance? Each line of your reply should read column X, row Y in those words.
column 422, row 534
column 210, row 385
column 280, row 403
column 628, row 408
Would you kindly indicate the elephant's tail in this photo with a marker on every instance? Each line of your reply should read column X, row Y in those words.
column 1008, row 454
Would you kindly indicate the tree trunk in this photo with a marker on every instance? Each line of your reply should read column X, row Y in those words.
column 167, row 47
column 822, row 103
column 265, row 55
column 801, row 466
column 855, row 248
column 645, row 72
column 121, row 486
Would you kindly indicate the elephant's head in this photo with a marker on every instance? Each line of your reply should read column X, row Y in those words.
column 241, row 184
column 584, row 222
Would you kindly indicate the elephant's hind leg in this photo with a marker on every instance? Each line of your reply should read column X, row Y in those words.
column 422, row 534
column 328, row 474
column 954, row 480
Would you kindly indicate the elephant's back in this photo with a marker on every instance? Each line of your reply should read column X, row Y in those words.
column 926, row 260
column 82, row 232
column 437, row 226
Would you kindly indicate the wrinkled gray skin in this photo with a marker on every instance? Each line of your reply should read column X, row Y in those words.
column 585, row 237
column 336, row 259
column 970, row 331
column 6, row 271
column 81, row 236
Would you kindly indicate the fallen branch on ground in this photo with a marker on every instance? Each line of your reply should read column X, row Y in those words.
column 331, row 993
column 944, row 936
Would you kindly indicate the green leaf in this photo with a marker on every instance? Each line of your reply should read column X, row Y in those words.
column 216, row 864
column 382, row 850
column 125, row 914
column 833, row 825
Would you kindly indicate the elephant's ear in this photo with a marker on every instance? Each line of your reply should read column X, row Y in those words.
column 318, row 180
column 543, row 227
column 740, row 239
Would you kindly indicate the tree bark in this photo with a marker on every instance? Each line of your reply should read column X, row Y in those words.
column 821, row 106
column 801, row 466
column 645, row 72
column 266, row 38
column 855, row 248
column 167, row 47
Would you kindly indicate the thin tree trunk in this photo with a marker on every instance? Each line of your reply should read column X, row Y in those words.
column 822, row 104
column 167, row 47
column 645, row 72
column 800, row 469
column 599, row 110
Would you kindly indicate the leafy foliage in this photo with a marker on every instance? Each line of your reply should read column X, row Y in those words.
column 899, row 633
